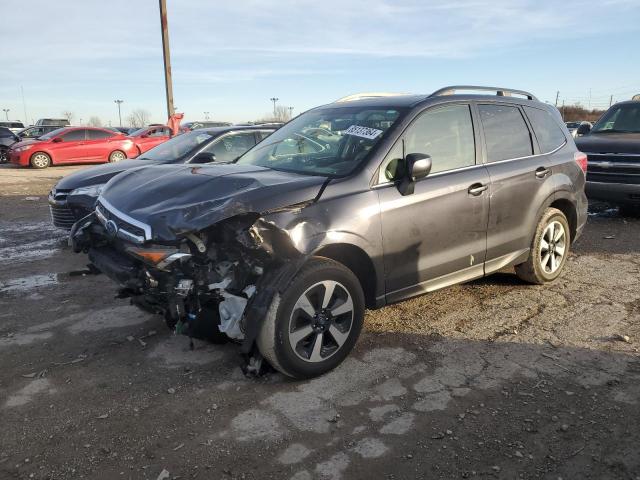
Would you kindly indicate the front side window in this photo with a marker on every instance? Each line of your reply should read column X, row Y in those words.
column 443, row 133
column 619, row 119
column 230, row 147
column 332, row 141
column 74, row 136
column 546, row 129
column 505, row 132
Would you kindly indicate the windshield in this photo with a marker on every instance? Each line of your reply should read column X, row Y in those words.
column 139, row 132
column 620, row 119
column 177, row 147
column 329, row 141
column 50, row 135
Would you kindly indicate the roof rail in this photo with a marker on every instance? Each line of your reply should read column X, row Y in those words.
column 359, row 96
column 500, row 92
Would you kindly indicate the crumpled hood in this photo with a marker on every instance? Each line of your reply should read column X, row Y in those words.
column 609, row 143
column 176, row 199
column 97, row 175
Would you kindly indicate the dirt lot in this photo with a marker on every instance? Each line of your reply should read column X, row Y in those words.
column 492, row 379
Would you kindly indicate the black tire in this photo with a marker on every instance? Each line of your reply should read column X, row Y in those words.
column 40, row 160
column 536, row 269
column 4, row 155
column 117, row 156
column 278, row 341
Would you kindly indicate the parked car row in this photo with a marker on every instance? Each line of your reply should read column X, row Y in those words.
column 75, row 195
column 281, row 245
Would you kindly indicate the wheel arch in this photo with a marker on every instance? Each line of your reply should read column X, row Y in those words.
column 567, row 207
column 356, row 260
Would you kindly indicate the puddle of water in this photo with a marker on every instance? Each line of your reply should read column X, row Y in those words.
column 27, row 283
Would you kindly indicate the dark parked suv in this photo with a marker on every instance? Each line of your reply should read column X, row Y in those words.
column 350, row 205
column 613, row 148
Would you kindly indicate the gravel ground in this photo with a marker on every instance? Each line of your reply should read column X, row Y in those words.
column 491, row 379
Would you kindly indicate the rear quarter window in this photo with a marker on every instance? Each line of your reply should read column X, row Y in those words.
column 546, row 129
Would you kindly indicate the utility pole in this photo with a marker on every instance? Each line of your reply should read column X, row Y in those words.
column 168, row 83
column 562, row 109
column 557, row 95
column 274, row 100
column 6, row 112
column 119, row 114
column 290, row 113
column 206, row 115
column 610, row 100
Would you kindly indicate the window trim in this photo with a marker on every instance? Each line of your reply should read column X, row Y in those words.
column 374, row 183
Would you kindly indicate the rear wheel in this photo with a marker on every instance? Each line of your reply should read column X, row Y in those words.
column 116, row 156
column 549, row 249
column 313, row 326
column 40, row 160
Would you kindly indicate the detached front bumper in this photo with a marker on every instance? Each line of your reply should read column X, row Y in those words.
column 617, row 193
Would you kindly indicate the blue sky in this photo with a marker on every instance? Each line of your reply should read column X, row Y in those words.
column 230, row 57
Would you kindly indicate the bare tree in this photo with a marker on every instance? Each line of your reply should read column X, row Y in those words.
column 95, row 121
column 68, row 115
column 282, row 114
column 138, row 118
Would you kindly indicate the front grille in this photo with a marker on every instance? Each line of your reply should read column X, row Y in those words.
column 126, row 229
column 613, row 168
column 62, row 216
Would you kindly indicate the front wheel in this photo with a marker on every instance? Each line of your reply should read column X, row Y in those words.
column 116, row 156
column 549, row 249
column 313, row 326
column 40, row 160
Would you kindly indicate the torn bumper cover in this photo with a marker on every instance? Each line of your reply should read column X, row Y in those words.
column 217, row 283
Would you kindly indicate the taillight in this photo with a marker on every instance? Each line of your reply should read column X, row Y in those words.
column 581, row 160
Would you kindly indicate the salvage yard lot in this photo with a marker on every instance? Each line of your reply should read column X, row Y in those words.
column 492, row 379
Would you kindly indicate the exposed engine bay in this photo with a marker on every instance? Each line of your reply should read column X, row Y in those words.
column 204, row 282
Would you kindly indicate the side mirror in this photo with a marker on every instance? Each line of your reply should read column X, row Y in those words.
column 418, row 165
column 583, row 129
column 203, row 157
column 57, row 140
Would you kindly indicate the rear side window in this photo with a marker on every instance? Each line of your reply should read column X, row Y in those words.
column 99, row 134
column 74, row 136
column 546, row 129
column 505, row 132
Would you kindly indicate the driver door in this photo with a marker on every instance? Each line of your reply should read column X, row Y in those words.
column 436, row 236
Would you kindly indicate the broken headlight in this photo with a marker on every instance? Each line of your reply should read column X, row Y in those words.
column 159, row 258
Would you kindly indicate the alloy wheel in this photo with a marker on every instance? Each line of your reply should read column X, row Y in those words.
column 40, row 160
column 321, row 321
column 553, row 245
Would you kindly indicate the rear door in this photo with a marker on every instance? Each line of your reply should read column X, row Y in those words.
column 98, row 146
column 72, row 148
column 520, row 182
column 437, row 235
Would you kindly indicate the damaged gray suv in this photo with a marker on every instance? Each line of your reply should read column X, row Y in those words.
column 352, row 205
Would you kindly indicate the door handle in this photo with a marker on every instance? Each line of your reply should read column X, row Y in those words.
column 542, row 172
column 477, row 189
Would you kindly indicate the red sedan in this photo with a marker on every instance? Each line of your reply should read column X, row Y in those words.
column 148, row 137
column 73, row 145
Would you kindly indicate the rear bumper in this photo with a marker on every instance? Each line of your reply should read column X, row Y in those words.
column 618, row 193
